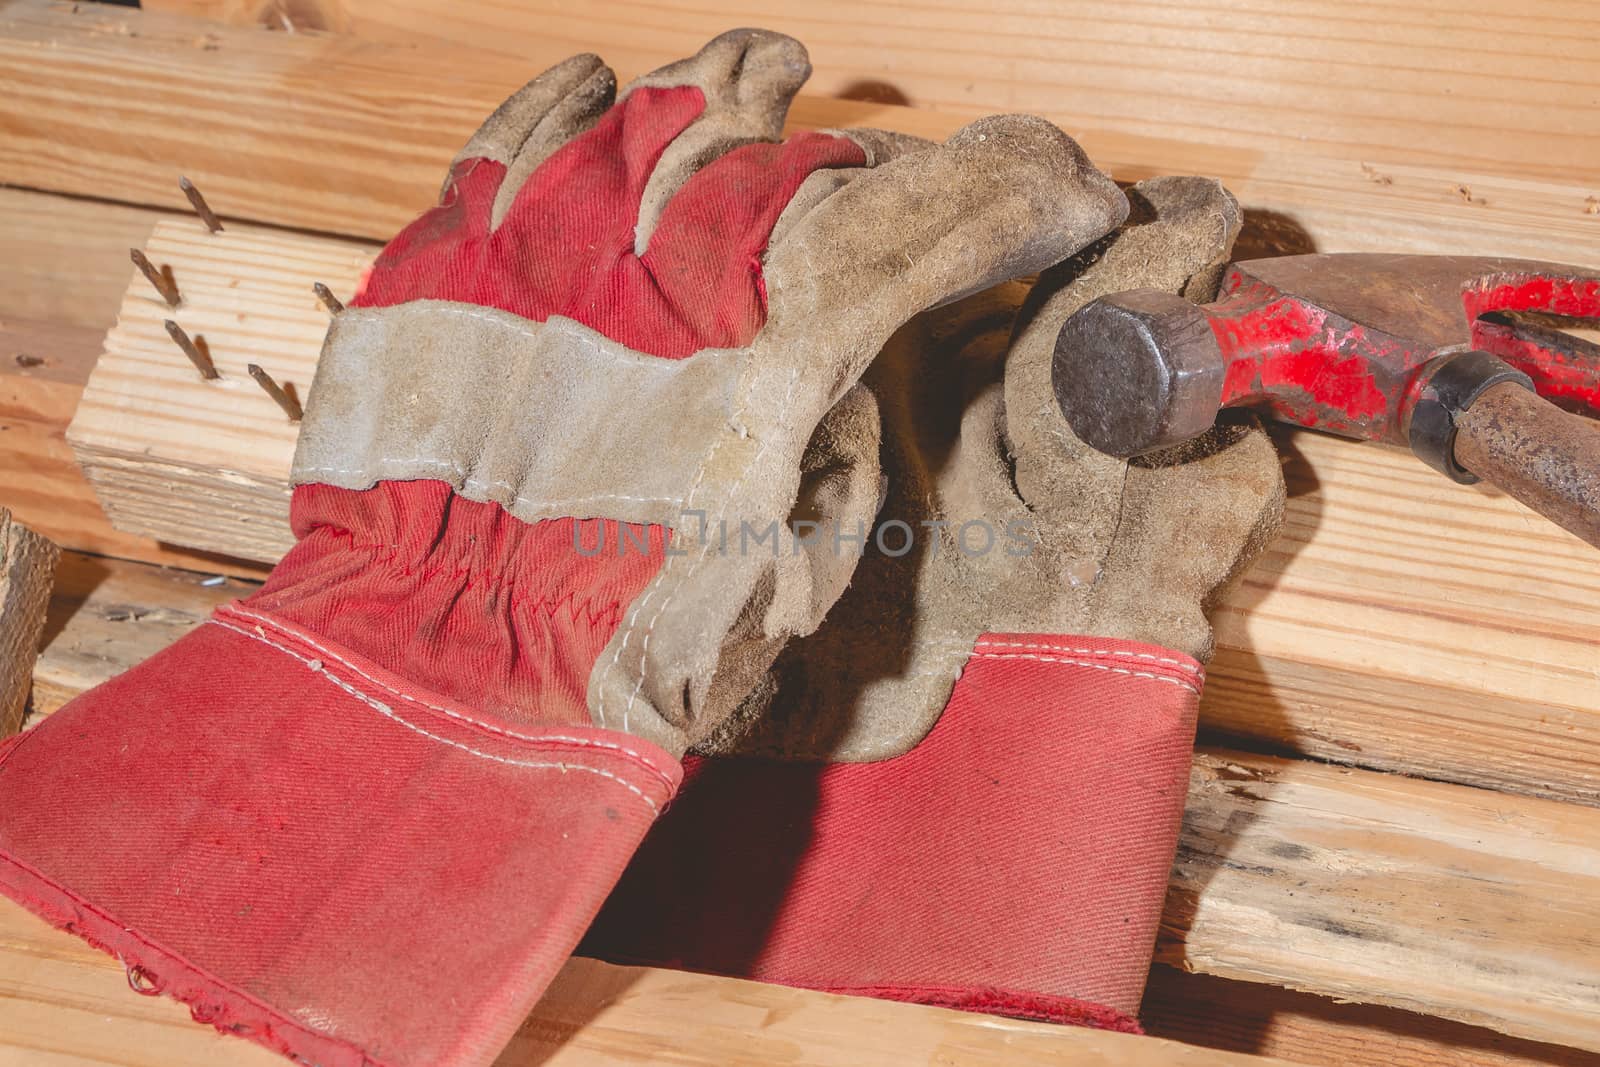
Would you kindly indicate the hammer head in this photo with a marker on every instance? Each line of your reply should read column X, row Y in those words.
column 1336, row 342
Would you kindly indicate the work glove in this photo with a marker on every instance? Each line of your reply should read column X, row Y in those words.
column 1006, row 694
column 364, row 815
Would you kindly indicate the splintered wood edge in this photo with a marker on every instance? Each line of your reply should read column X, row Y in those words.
column 1448, row 900
column 27, row 569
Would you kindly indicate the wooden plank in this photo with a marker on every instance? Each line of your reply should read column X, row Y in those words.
column 1247, row 1017
column 27, row 567
column 63, row 1003
column 64, row 260
column 63, row 272
column 1404, row 622
column 107, row 615
column 1457, row 902
column 1463, row 903
column 1401, row 621
column 334, row 133
column 1471, row 85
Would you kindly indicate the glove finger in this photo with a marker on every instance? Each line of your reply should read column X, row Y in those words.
column 840, row 490
column 705, row 255
column 573, row 114
column 1004, row 197
column 1177, row 239
column 486, row 174
column 1184, row 520
column 879, row 146
column 521, row 121
column 747, row 78
column 1195, row 517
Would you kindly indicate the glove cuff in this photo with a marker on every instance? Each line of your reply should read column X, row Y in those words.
column 315, row 854
column 1015, row 861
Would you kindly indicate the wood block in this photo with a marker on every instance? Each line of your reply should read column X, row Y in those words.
column 335, row 133
column 27, row 567
column 1456, row 902
column 1401, row 621
column 204, row 463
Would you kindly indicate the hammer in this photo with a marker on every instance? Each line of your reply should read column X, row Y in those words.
column 1461, row 358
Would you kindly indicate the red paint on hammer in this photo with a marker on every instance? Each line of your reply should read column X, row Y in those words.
column 1287, row 342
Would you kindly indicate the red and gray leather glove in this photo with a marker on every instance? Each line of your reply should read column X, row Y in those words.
column 364, row 815
column 1006, row 692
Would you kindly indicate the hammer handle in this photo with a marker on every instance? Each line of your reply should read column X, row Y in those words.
column 1545, row 457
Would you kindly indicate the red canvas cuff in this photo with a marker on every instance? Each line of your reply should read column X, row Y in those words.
column 315, row 855
column 1014, row 861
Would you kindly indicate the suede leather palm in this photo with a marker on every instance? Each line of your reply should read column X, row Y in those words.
column 966, row 787
column 364, row 815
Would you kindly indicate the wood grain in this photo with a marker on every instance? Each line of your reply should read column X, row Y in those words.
column 1457, row 902
column 63, row 273
column 1401, row 621
column 27, row 567
column 64, row 1004
column 198, row 462
column 1462, row 903
column 1404, row 622
column 107, row 615
column 1469, row 84
column 336, row 133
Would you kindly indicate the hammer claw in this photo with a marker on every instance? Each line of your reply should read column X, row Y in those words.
column 1565, row 368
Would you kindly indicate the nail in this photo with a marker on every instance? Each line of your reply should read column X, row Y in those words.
column 329, row 301
column 162, row 279
column 198, row 352
column 290, row 406
column 200, row 206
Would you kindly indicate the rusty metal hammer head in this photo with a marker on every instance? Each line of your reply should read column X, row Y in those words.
column 1357, row 344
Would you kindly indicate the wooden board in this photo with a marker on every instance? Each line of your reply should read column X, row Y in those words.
column 1404, row 622
column 1462, row 903
column 335, row 133
column 27, row 567
column 1401, row 621
column 107, row 615
column 1247, row 1017
column 1471, row 84
column 64, row 1004
column 1457, row 902
column 65, row 260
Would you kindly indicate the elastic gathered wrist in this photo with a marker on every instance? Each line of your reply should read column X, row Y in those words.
column 463, row 598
